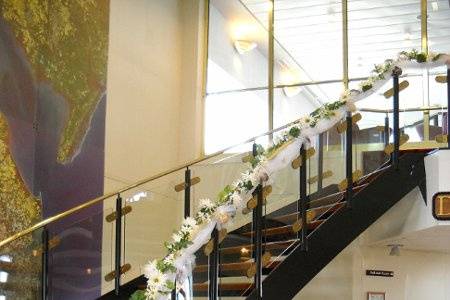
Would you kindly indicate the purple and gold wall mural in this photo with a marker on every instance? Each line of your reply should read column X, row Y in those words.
column 53, row 62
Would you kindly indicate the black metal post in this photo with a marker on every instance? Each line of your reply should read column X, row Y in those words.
column 303, row 201
column 118, row 245
column 386, row 130
column 258, row 239
column 214, row 267
column 254, row 215
column 395, row 155
column 173, row 295
column 320, row 163
column 448, row 108
column 349, row 159
column 44, row 261
column 187, row 193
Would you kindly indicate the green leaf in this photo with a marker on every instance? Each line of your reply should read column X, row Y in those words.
column 294, row 131
column 366, row 87
column 421, row 57
column 138, row 295
column 223, row 195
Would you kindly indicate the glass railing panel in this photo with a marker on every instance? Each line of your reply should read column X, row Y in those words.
column 20, row 268
column 333, row 166
column 233, row 117
column 290, row 103
column 156, row 210
column 370, row 138
column 81, row 255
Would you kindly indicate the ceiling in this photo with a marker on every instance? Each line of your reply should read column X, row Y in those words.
column 436, row 239
column 311, row 31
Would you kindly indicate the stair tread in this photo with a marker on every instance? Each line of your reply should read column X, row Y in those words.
column 229, row 286
column 318, row 211
column 236, row 266
column 329, row 199
column 268, row 246
column 284, row 229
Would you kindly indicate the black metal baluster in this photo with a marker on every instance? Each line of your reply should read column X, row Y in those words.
column 187, row 193
column 448, row 108
column 214, row 267
column 320, row 163
column 187, row 213
column 386, row 130
column 254, row 154
column 118, row 245
column 258, row 241
column 395, row 155
column 349, row 159
column 44, row 262
column 303, row 200
column 173, row 295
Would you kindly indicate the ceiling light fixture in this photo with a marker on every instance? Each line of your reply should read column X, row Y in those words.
column 242, row 46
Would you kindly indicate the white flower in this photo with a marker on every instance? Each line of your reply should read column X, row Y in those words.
column 189, row 222
column 169, row 259
column 150, row 268
column 205, row 217
column 158, row 280
column 206, row 203
column 237, row 200
column 235, row 184
column 177, row 237
column 250, row 176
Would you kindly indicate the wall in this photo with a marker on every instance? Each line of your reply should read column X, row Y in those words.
column 154, row 118
column 418, row 275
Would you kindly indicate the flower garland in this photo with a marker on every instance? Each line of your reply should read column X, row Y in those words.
column 169, row 273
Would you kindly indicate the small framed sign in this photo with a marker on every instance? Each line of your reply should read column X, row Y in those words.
column 376, row 296
column 380, row 273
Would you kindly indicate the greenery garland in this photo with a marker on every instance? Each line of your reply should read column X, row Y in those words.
column 161, row 274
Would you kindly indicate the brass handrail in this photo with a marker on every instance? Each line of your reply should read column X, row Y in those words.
column 133, row 185
column 413, row 109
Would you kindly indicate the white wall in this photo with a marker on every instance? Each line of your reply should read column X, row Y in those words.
column 418, row 275
column 153, row 118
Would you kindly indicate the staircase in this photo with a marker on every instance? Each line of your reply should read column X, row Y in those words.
column 331, row 226
column 272, row 256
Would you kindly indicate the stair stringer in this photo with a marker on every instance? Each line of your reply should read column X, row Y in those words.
column 327, row 241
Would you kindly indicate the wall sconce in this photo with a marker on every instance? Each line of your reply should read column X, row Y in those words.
column 242, row 46
column 287, row 77
column 291, row 91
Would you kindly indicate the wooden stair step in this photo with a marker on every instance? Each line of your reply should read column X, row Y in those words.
column 281, row 245
column 235, row 269
column 318, row 212
column 287, row 230
column 225, row 289
column 334, row 198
